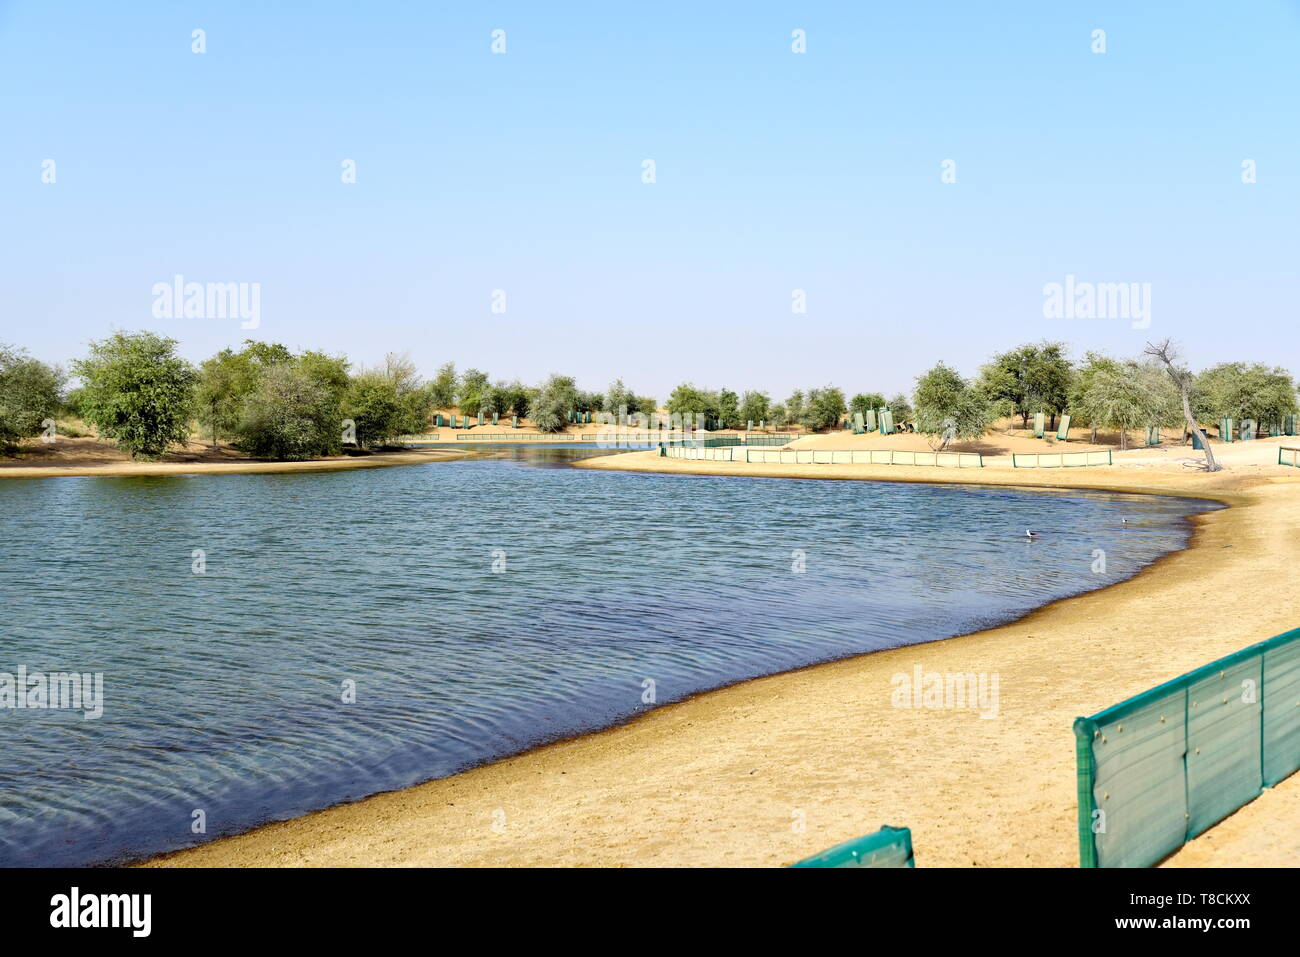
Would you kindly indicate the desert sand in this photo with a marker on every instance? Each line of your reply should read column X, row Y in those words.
column 771, row 770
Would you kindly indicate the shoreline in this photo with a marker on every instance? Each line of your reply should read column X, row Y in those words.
column 128, row 468
column 666, row 788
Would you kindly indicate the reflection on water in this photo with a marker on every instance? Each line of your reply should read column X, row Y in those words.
column 477, row 607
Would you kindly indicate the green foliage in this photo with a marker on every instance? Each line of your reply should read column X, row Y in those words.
column 1028, row 379
column 1126, row 396
column 30, row 392
column 686, row 399
column 377, row 409
column 291, row 414
column 755, row 407
column 588, row 401
column 226, row 380
column 1244, row 391
column 138, row 392
column 949, row 408
column 552, row 403
column 824, row 409
column 511, row 398
column 864, row 402
column 475, row 395
column 618, row 399
column 729, row 410
column 901, row 408
column 442, row 387
column 794, row 406
column 779, row 416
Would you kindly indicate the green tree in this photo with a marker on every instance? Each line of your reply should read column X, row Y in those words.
column 619, row 399
column 291, row 414
column 551, row 405
column 729, row 409
column 376, row 409
column 864, row 402
column 512, row 398
column 686, row 399
column 794, row 406
column 1264, row 393
column 1029, row 379
column 414, row 397
column 30, row 393
column 1129, row 395
column 226, row 380
column 1080, row 412
column 901, row 408
column 138, row 392
column 474, row 396
column 948, row 408
column 442, row 388
column 755, row 407
column 824, row 409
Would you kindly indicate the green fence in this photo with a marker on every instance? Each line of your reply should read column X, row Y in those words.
column 418, row 439
column 961, row 460
column 690, row 437
column 1057, row 460
column 888, row 847
column 723, row 454
column 1162, row 767
column 1286, row 455
column 516, row 437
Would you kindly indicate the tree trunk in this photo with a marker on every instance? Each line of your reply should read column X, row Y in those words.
column 1210, row 464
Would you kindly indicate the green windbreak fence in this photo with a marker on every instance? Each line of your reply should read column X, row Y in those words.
column 1160, row 768
column 1057, row 460
column 418, row 439
column 1063, row 433
column 724, row 454
column 1286, row 455
column 888, row 847
column 613, row 435
column 692, row 438
column 963, row 460
column 516, row 437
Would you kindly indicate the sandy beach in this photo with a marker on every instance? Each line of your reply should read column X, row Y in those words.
column 771, row 770
column 83, row 457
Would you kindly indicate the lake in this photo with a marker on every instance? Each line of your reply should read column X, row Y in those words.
column 274, row 644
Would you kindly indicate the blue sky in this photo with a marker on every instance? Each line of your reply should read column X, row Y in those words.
column 775, row 171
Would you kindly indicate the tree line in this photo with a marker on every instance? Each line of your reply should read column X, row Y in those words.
column 271, row 402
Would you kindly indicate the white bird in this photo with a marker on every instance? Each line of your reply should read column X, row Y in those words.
column 1029, row 534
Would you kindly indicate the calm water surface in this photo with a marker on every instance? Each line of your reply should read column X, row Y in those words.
column 224, row 691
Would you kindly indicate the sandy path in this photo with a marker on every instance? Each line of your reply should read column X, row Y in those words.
column 765, row 772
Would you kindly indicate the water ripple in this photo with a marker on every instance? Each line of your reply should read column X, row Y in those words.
column 225, row 691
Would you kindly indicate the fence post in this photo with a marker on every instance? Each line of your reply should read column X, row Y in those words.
column 1083, row 734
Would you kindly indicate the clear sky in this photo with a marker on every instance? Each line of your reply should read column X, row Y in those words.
column 775, row 171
